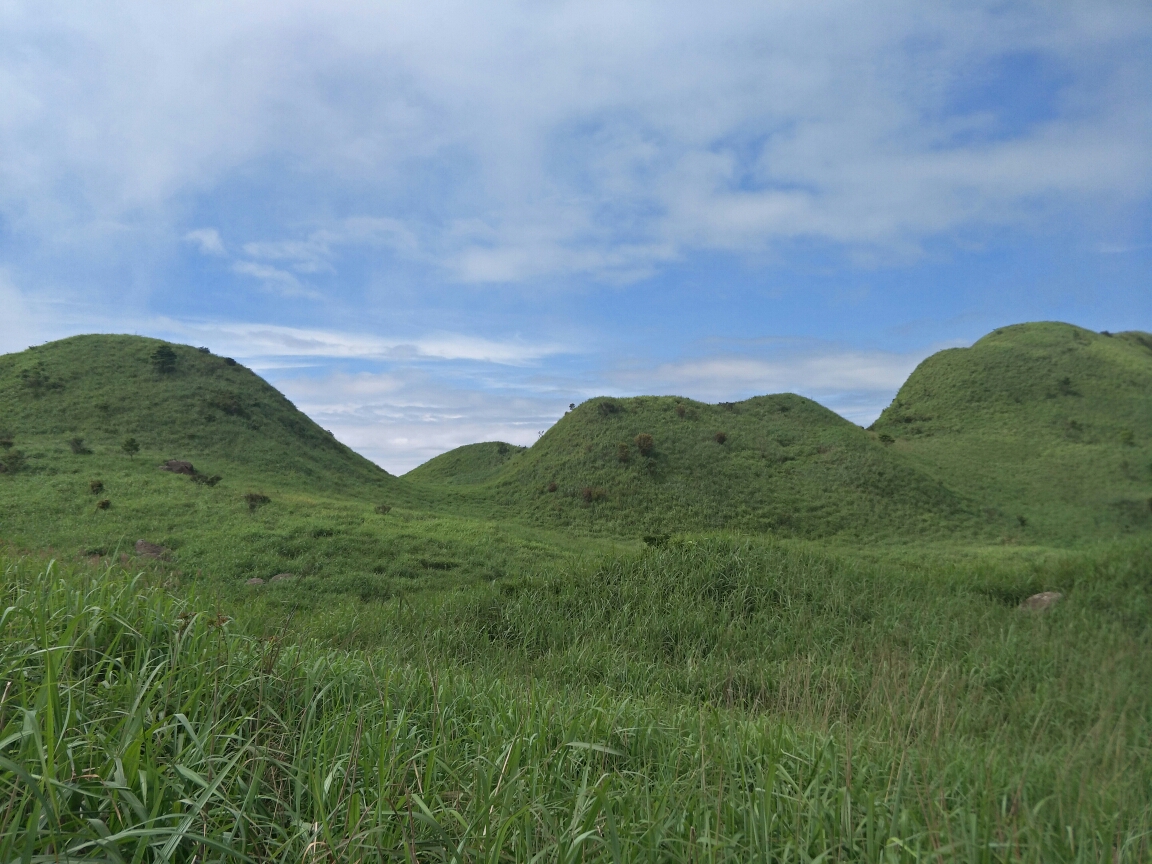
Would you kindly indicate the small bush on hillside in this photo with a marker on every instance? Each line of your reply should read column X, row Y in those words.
column 95, row 486
column 36, row 379
column 203, row 350
column 502, row 449
column 204, row 479
column 13, row 461
column 164, row 360
column 77, row 447
column 644, row 443
column 228, row 361
column 383, row 509
column 656, row 541
column 256, row 500
column 130, row 446
column 592, row 493
column 680, row 410
column 6, row 440
column 1023, row 520
column 607, row 407
column 622, row 452
column 552, row 487
column 720, row 437
column 885, row 438
column 103, row 504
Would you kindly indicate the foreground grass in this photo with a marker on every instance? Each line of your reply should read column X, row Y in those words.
column 135, row 727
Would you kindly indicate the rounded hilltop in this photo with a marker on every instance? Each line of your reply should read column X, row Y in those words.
column 176, row 401
column 664, row 463
column 1048, row 423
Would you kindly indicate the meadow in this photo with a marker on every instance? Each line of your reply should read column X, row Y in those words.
column 481, row 662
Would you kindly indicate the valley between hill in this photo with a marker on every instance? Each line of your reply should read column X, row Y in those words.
column 667, row 631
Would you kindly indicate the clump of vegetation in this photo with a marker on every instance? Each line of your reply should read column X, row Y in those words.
column 623, row 453
column 645, row 443
column 204, row 479
column 130, row 446
column 383, row 509
column 885, row 438
column 77, row 446
column 13, row 462
column 164, row 360
column 6, row 441
column 95, row 486
column 656, row 541
column 255, row 500
column 720, row 437
column 36, row 379
column 680, row 409
column 103, row 504
column 204, row 350
column 607, row 407
column 552, row 487
column 592, row 494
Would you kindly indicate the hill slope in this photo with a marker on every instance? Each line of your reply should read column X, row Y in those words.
column 780, row 463
column 1044, row 421
column 177, row 401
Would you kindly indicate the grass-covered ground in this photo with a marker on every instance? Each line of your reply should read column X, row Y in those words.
column 721, row 701
column 761, row 633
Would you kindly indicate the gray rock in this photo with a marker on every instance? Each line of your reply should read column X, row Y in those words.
column 255, row 580
column 282, row 577
column 1040, row 602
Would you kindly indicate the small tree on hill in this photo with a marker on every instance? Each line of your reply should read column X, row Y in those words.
column 164, row 360
column 130, row 446
column 644, row 443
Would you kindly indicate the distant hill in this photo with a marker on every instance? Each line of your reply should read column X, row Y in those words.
column 779, row 463
column 1046, row 422
column 178, row 402
column 467, row 465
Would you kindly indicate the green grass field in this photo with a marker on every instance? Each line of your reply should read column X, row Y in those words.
column 795, row 641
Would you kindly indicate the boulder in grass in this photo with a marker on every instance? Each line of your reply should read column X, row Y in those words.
column 178, row 466
column 282, row 577
column 1040, row 602
column 149, row 550
column 255, row 580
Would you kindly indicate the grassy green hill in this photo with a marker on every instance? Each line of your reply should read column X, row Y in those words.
column 285, row 496
column 467, row 465
column 778, row 463
column 179, row 403
column 1045, row 422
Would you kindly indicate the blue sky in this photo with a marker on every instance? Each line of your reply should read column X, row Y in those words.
column 441, row 222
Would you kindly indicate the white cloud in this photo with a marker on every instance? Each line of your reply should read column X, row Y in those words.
column 267, row 342
column 574, row 137
column 207, row 240
column 274, row 280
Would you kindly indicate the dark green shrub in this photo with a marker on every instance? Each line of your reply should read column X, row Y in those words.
column 77, row 447
column 1023, row 521
column 13, row 461
column 6, row 440
column 96, row 486
column 164, row 360
column 622, row 452
column 680, row 410
column 592, row 493
column 228, row 361
column 383, row 509
column 720, row 437
column 607, row 407
column 205, row 480
column 644, row 443
column 256, row 500
column 204, row 350
column 130, row 446
column 656, row 541
column 885, row 438
column 552, row 487
column 103, row 504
